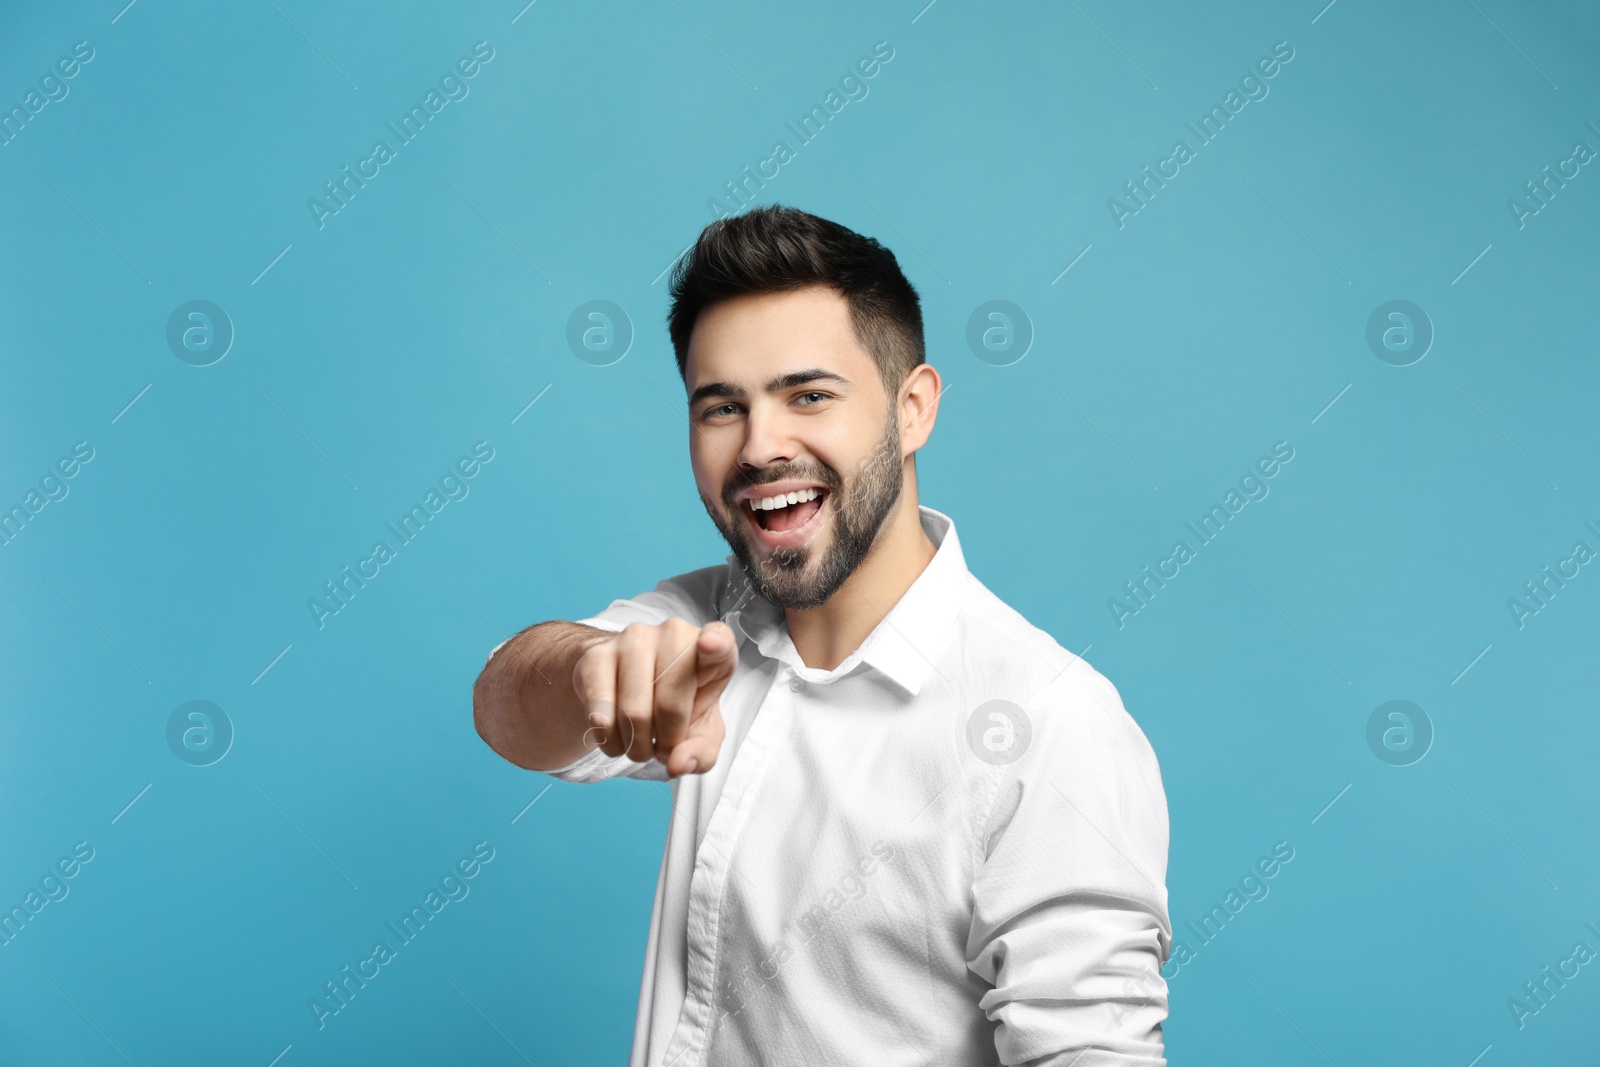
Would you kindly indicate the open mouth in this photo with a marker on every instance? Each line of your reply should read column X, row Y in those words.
column 785, row 520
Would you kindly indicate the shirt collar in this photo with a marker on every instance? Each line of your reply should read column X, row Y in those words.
column 903, row 646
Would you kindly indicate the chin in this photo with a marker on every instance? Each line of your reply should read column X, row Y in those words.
column 789, row 577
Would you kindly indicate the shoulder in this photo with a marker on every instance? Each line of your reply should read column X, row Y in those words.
column 1071, row 704
column 1018, row 646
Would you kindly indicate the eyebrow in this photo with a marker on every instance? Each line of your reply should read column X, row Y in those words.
column 776, row 385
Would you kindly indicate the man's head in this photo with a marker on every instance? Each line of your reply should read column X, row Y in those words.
column 800, row 346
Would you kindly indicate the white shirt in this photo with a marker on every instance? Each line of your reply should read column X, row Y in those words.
column 883, row 867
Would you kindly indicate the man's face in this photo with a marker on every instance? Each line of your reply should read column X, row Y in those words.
column 785, row 402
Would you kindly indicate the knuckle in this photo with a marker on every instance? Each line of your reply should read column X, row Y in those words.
column 595, row 663
column 636, row 635
column 634, row 711
column 590, row 668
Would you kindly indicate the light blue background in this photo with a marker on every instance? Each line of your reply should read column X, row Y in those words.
column 1221, row 319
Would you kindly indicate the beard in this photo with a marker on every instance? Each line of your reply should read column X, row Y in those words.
column 805, row 576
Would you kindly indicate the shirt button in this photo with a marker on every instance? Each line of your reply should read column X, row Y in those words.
column 796, row 686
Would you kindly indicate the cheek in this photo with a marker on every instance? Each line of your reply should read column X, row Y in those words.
column 837, row 438
column 855, row 453
column 709, row 468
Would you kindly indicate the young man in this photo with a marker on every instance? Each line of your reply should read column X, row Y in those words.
column 909, row 827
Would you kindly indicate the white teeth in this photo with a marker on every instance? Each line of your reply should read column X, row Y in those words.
column 773, row 503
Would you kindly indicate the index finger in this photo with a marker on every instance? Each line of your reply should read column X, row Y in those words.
column 717, row 652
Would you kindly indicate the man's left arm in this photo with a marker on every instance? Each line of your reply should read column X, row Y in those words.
column 1070, row 923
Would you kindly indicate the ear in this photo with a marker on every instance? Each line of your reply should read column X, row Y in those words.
column 919, row 406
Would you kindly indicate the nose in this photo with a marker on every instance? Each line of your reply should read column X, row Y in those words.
column 767, row 439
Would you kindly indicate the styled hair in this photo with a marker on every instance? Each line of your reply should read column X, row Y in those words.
column 778, row 249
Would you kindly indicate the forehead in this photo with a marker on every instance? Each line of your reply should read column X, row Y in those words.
column 753, row 337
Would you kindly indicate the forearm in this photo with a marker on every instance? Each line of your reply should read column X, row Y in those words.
column 523, row 703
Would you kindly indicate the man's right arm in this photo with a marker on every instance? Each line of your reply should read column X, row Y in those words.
column 558, row 690
column 525, row 705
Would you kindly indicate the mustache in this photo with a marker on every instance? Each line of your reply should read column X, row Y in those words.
column 827, row 476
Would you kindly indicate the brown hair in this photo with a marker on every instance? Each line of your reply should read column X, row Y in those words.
column 777, row 249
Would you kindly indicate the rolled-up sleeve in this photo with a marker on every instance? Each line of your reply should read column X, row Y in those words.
column 1070, row 924
column 669, row 599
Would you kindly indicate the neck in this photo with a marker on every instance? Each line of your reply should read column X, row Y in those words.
column 826, row 635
